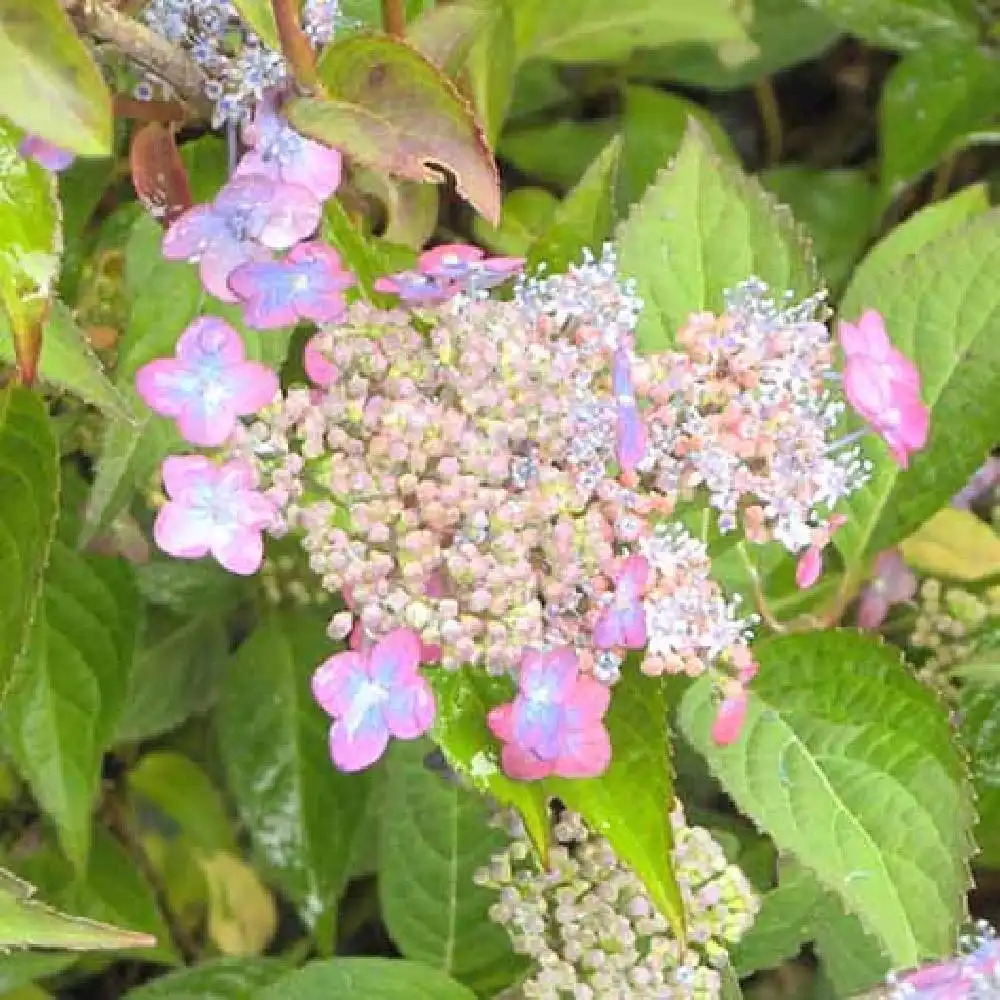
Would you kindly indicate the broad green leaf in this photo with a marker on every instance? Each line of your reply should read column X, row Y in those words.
column 26, row 922
column 49, row 83
column 593, row 30
column 579, row 144
column 942, row 309
column 259, row 14
column 491, row 71
column 206, row 160
column 446, row 32
column 81, row 187
column 18, row 968
column 701, row 228
column 584, row 217
column 954, row 544
column 525, row 215
column 69, row 362
column 635, row 816
column 979, row 709
column 360, row 254
column 463, row 698
column 69, row 687
column 366, row 979
column 838, row 208
column 434, row 836
column 903, row 24
column 784, row 32
column 851, row 960
column 300, row 811
column 184, row 793
column 30, row 243
column 29, row 497
column 392, row 109
column 411, row 209
column 215, row 979
column 848, row 762
column 933, row 98
column 653, row 128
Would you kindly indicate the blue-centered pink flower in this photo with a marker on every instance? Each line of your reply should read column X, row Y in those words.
column 554, row 725
column 208, row 385
column 373, row 695
column 213, row 509
column 309, row 283
column 445, row 271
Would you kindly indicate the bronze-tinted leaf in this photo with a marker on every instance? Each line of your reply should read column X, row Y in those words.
column 158, row 173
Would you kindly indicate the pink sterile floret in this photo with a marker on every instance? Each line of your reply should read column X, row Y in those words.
column 45, row 154
column 248, row 215
column 316, row 360
column 373, row 695
column 553, row 726
column 208, row 385
column 883, row 386
column 729, row 718
column 213, row 509
column 810, row 564
column 892, row 583
column 631, row 440
column 623, row 622
column 467, row 265
column 307, row 284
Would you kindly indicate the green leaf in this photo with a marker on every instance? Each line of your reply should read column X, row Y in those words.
column 69, row 687
column 392, row 109
column 491, row 71
column 206, row 160
column 184, row 793
column 979, row 711
column 851, row 960
column 932, row 100
column 838, row 208
column 300, row 811
column 525, row 215
column 215, row 979
column 19, row 968
column 653, row 128
column 904, row 24
column 446, row 32
column 29, row 497
column 584, row 217
column 259, row 14
column 701, row 228
column 592, row 30
column 579, row 144
column 366, row 979
column 463, row 698
column 848, row 762
column 942, row 309
column 635, row 816
column 434, row 836
column 69, row 362
column 49, row 84
column 784, row 32
column 26, row 922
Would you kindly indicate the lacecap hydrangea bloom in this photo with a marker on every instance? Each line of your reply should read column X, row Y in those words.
column 590, row 930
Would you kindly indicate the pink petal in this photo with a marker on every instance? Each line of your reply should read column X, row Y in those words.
column 46, row 154
column 505, row 266
column 608, row 629
column 501, row 722
column 586, row 753
column 809, row 567
column 253, row 164
column 729, row 719
column 554, row 672
column 187, row 238
column 395, row 659
column 184, row 472
column 218, row 262
column 871, row 327
column 631, row 438
column 293, row 215
column 915, row 420
column 588, row 703
column 336, row 681
column 161, row 386
column 317, row 168
column 206, row 425
column 329, row 308
column 635, row 572
column 409, row 712
column 448, row 260
column 872, row 608
column 240, row 550
column 523, row 765
column 867, row 389
column 210, row 337
column 182, row 532
column 358, row 750
column 633, row 627
column 252, row 386
column 237, row 475
column 319, row 368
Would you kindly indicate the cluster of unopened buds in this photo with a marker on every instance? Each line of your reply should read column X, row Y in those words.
column 501, row 484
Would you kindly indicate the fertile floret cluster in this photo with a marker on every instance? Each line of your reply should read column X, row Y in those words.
column 591, row 931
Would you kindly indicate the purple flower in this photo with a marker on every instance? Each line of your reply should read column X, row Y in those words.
column 892, row 583
column 45, row 154
column 213, row 509
column 458, row 262
column 631, row 434
column 279, row 153
column 208, row 385
column 623, row 623
column 374, row 695
column 417, row 288
column 308, row 284
column 248, row 212
column 554, row 724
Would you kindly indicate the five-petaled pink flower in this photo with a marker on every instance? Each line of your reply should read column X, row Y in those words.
column 623, row 622
column 45, row 154
column 373, row 695
column 280, row 153
column 893, row 582
column 248, row 215
column 883, row 386
column 553, row 726
column 631, row 434
column 307, row 284
column 208, row 385
column 213, row 509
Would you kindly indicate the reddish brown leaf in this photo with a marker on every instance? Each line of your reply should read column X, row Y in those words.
column 158, row 173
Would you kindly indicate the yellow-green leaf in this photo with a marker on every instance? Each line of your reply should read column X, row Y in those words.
column 954, row 544
column 242, row 917
column 259, row 14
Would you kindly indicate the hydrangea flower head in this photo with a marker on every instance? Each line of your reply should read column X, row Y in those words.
column 281, row 154
column 248, row 215
column 208, row 385
column 623, row 622
column 307, row 284
column 213, row 509
column 46, row 154
column 893, row 582
column 373, row 695
column 554, row 724
column 883, row 386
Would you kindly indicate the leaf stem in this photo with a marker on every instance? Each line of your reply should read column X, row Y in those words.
column 760, row 601
column 295, row 45
column 394, row 18
column 770, row 118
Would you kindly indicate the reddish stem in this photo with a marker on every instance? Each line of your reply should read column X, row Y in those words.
column 295, row 45
column 148, row 111
column 394, row 18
